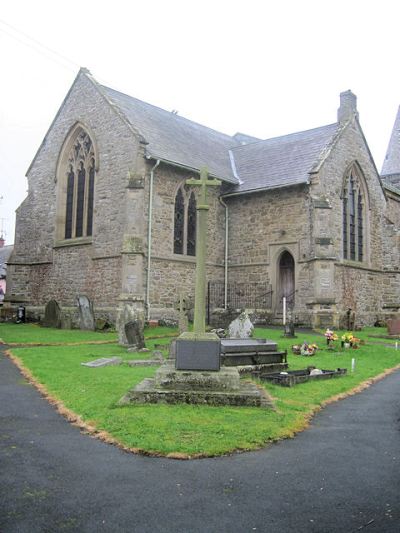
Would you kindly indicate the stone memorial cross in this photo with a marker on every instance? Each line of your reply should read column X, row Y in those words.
column 199, row 325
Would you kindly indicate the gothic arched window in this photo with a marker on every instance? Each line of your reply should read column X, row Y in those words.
column 353, row 217
column 79, row 163
column 185, row 222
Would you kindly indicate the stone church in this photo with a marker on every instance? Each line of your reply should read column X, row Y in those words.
column 108, row 214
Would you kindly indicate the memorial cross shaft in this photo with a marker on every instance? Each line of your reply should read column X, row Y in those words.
column 199, row 325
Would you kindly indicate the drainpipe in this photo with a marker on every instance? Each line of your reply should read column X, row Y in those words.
column 226, row 251
column 149, row 243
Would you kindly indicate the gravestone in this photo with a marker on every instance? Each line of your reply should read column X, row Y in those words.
column 86, row 317
column 134, row 334
column 288, row 328
column 241, row 327
column 52, row 315
column 183, row 319
column 393, row 326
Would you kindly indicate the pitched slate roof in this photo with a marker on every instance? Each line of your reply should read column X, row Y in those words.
column 177, row 139
column 281, row 161
column 391, row 164
column 245, row 162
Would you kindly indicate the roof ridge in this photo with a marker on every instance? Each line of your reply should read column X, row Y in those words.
column 279, row 137
column 179, row 117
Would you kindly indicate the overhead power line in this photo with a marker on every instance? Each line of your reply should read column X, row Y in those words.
column 36, row 45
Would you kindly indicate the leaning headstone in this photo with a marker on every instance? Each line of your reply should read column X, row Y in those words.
column 134, row 334
column 241, row 327
column 103, row 361
column 86, row 316
column 52, row 315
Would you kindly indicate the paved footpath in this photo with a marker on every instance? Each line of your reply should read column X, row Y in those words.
column 341, row 475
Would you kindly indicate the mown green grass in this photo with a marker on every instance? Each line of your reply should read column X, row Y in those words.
column 189, row 429
column 12, row 333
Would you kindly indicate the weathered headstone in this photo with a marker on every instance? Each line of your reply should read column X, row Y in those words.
column 393, row 326
column 86, row 317
column 241, row 327
column 134, row 334
column 183, row 319
column 288, row 328
column 52, row 315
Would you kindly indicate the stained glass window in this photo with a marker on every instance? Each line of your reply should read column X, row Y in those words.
column 353, row 218
column 179, row 222
column 80, row 187
column 191, row 226
column 185, row 222
column 69, row 203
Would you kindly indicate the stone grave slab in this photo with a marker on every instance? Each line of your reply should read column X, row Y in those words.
column 103, row 361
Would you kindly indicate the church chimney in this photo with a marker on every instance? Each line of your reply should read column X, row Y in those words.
column 348, row 106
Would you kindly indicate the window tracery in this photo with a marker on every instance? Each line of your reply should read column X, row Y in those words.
column 353, row 223
column 185, row 222
column 80, row 179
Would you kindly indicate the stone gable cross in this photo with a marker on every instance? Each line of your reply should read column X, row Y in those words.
column 199, row 325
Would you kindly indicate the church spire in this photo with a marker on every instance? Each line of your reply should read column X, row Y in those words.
column 391, row 164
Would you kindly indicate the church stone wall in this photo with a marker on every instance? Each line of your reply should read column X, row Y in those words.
column 364, row 287
column 93, row 269
column 261, row 226
column 172, row 274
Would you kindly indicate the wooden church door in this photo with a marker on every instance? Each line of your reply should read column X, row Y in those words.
column 286, row 279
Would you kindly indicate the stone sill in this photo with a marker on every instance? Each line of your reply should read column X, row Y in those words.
column 73, row 242
column 322, row 301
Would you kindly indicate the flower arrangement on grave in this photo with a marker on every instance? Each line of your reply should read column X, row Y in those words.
column 308, row 349
column 348, row 339
column 296, row 349
column 330, row 336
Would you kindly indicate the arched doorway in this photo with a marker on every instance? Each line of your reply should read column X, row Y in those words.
column 286, row 284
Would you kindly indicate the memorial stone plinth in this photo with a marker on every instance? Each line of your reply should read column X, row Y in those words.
column 198, row 351
column 172, row 386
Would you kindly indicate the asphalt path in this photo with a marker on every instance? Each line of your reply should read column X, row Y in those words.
column 341, row 475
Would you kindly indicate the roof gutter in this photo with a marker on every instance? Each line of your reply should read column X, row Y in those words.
column 186, row 167
column 264, row 189
column 149, row 241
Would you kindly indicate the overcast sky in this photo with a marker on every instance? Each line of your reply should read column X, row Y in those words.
column 261, row 67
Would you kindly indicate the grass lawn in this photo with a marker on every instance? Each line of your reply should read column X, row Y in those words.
column 186, row 430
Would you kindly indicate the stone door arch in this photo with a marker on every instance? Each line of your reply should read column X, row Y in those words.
column 286, row 279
